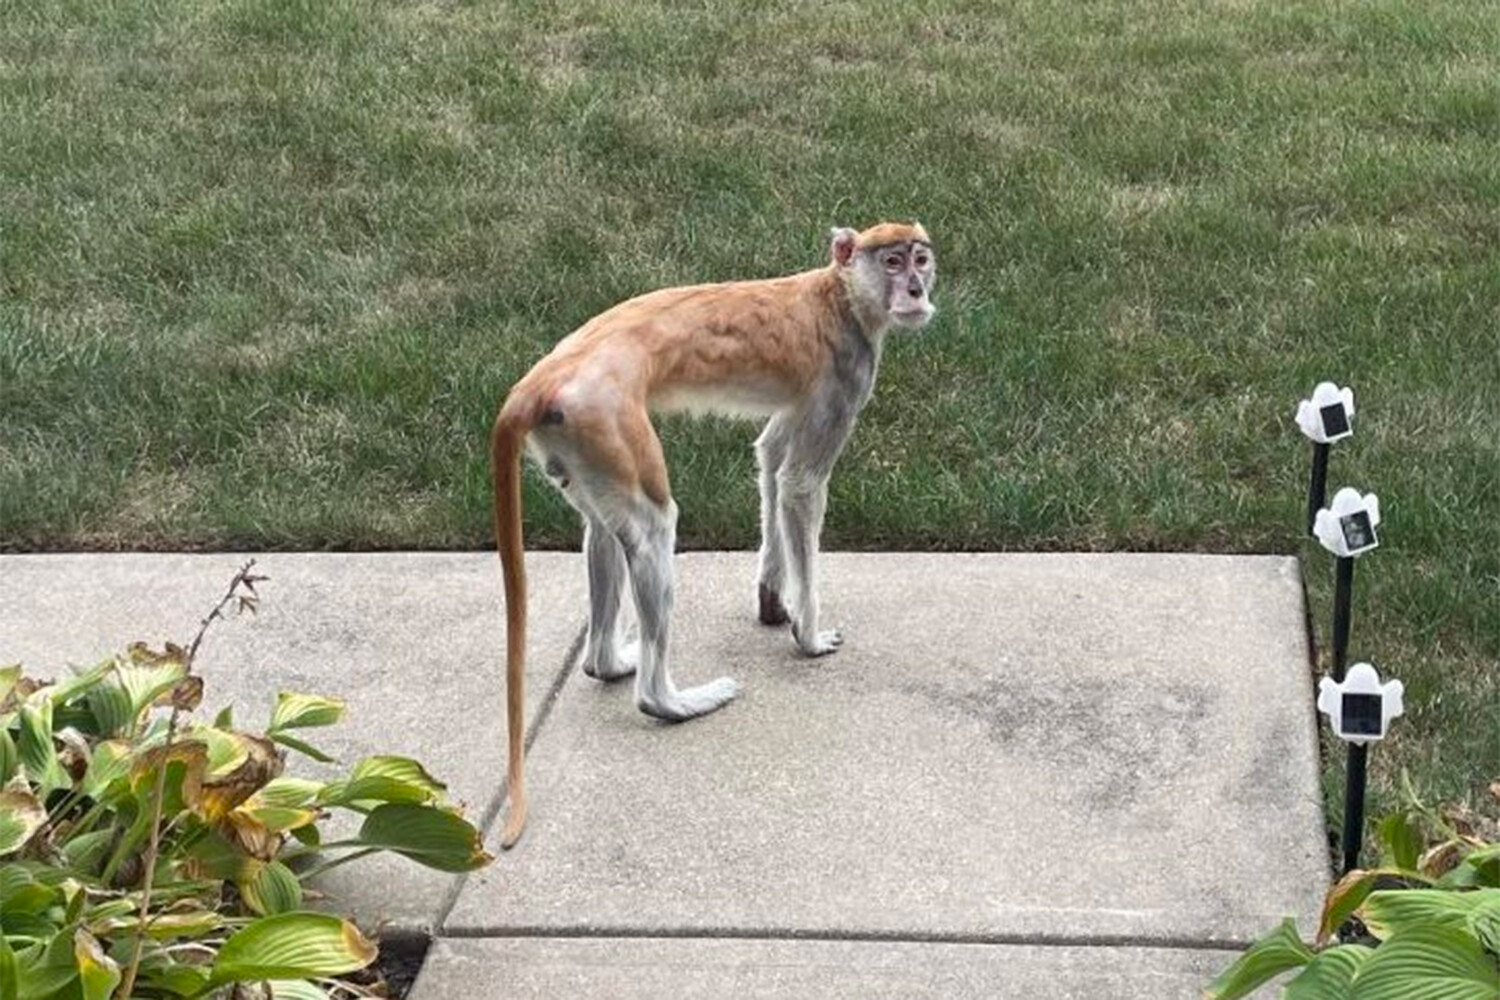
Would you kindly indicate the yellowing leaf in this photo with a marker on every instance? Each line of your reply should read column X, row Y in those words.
column 21, row 815
column 193, row 923
column 292, row 946
column 222, row 794
column 97, row 972
column 280, row 819
column 185, row 761
column 300, row 711
column 251, row 836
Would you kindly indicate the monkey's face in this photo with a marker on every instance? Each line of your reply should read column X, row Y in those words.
column 906, row 273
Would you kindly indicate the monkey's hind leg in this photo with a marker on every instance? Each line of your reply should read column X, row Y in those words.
column 647, row 537
column 605, row 657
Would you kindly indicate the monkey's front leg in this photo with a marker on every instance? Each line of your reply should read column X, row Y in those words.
column 804, row 497
column 770, row 453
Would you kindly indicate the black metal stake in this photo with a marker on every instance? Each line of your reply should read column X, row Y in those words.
column 1343, row 585
column 1354, row 806
column 1354, row 780
column 1317, row 487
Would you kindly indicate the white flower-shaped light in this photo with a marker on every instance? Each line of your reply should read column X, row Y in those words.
column 1329, row 415
column 1360, row 707
column 1346, row 527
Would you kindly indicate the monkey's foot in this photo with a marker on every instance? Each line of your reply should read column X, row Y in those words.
column 679, row 706
column 772, row 611
column 621, row 662
column 822, row 644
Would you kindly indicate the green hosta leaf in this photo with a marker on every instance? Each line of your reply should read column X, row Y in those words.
column 36, row 751
column 1329, row 976
column 402, row 769
column 301, row 711
column 1402, row 839
column 289, row 793
column 114, row 712
column 308, row 835
column 9, row 675
column 110, row 762
column 306, row 749
column 1429, row 963
column 1267, row 958
column 145, row 682
column 1484, row 924
column 212, row 856
column 86, row 851
column 227, row 750
column 372, row 789
column 49, row 969
column 1480, row 868
column 10, row 757
column 296, row 989
column 432, row 837
column 97, row 972
column 1396, row 912
column 21, row 893
column 176, row 978
column 81, row 683
column 292, row 946
column 21, row 815
column 273, row 889
column 10, row 974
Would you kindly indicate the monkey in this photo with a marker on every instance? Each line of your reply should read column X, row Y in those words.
column 800, row 352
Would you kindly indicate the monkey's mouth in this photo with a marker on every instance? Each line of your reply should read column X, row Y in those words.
column 914, row 317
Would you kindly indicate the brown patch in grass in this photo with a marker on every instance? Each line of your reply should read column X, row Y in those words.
column 1134, row 201
column 1129, row 320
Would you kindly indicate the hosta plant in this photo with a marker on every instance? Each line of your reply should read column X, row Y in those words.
column 1422, row 925
column 147, row 852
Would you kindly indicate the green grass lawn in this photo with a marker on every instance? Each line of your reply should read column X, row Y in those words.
column 268, row 266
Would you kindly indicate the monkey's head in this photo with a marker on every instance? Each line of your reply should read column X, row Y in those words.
column 890, row 268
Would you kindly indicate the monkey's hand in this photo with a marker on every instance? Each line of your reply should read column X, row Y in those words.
column 823, row 643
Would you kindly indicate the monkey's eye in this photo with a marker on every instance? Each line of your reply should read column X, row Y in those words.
column 923, row 260
column 893, row 263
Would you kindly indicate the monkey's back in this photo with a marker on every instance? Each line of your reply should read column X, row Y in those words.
column 741, row 348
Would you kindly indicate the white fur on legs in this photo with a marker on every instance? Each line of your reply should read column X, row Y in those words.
column 605, row 657
column 770, row 453
column 647, row 539
column 803, row 500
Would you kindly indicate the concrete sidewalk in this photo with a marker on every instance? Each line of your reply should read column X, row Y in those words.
column 1036, row 776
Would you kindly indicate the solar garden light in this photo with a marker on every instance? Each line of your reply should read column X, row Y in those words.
column 1346, row 527
column 1325, row 418
column 1360, row 709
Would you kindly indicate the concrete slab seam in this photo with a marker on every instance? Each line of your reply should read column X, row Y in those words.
column 856, row 936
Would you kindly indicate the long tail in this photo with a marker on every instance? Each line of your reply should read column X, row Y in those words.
column 505, row 458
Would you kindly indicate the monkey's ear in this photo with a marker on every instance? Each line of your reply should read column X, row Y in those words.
column 844, row 242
